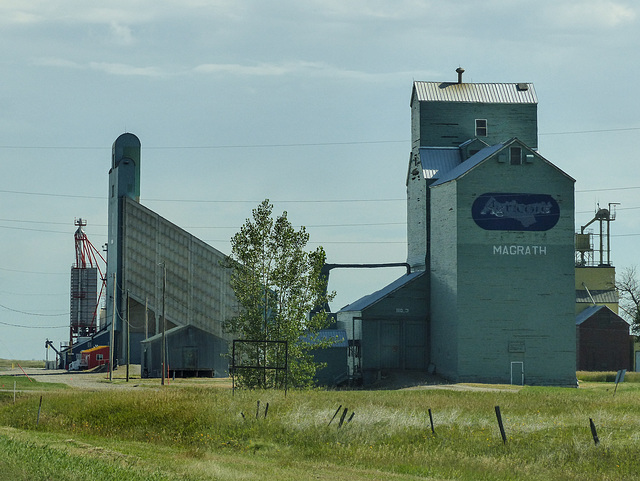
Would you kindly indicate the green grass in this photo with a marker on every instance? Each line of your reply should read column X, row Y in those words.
column 204, row 432
column 13, row 364
column 606, row 376
column 23, row 383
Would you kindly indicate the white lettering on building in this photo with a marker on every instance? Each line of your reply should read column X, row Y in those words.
column 519, row 250
column 524, row 213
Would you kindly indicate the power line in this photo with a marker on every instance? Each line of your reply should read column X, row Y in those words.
column 33, row 327
column 35, row 313
column 33, row 294
column 213, row 147
column 45, row 194
column 591, row 131
column 607, row 189
column 279, row 201
column 307, row 226
column 285, row 144
column 34, row 272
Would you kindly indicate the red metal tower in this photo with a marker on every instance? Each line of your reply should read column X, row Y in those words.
column 85, row 299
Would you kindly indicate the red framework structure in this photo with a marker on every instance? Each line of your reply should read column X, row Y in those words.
column 84, row 298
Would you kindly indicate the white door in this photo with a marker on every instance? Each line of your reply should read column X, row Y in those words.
column 517, row 373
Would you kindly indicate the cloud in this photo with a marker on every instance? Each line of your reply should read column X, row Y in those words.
column 260, row 70
column 121, row 34
column 106, row 67
column 124, row 69
column 56, row 62
column 295, row 68
column 599, row 14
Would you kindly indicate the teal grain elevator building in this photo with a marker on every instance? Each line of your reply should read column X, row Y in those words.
column 490, row 231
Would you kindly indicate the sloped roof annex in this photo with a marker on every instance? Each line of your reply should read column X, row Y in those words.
column 469, row 164
column 373, row 298
column 437, row 161
column 591, row 311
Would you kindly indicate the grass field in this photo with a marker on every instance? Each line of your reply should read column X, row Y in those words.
column 204, row 432
column 12, row 363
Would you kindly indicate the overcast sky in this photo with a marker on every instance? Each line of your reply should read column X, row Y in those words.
column 302, row 102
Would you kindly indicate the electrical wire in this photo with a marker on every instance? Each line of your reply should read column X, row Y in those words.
column 34, row 313
column 286, row 145
column 33, row 327
column 282, row 201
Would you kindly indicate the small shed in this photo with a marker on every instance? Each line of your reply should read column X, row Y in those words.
column 190, row 351
column 388, row 330
column 603, row 342
column 334, row 358
column 94, row 357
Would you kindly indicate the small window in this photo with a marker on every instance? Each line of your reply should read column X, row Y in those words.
column 113, row 190
column 481, row 127
column 515, row 155
column 99, row 357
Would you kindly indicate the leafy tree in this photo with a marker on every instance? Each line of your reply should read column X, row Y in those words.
column 277, row 284
column 629, row 297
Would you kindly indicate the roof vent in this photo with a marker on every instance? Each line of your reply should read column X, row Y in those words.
column 460, row 71
column 523, row 86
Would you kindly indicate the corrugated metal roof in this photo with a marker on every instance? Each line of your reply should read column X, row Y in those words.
column 591, row 311
column 437, row 161
column 367, row 301
column 587, row 313
column 469, row 164
column 493, row 93
column 96, row 348
column 599, row 296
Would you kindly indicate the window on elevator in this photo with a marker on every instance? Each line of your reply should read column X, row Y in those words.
column 515, row 155
column 481, row 127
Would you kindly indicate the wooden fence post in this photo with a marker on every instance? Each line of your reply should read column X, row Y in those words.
column 499, row 416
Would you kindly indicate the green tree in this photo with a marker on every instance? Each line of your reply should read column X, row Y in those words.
column 281, row 294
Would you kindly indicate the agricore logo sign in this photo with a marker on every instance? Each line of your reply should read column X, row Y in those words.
column 519, row 212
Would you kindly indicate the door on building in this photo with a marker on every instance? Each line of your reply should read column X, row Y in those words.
column 415, row 341
column 402, row 345
column 517, row 373
column 390, row 344
column 190, row 358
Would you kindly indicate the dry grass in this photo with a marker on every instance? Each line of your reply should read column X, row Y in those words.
column 194, row 429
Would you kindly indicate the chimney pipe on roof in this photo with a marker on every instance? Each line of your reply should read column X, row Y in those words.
column 460, row 71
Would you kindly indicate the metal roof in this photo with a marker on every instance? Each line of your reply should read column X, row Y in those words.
column 587, row 313
column 95, row 348
column 371, row 299
column 591, row 311
column 469, row 164
column 492, row 93
column 437, row 161
column 599, row 296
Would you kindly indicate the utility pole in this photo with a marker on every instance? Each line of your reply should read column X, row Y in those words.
column 128, row 341
column 146, row 318
column 164, row 320
column 113, row 321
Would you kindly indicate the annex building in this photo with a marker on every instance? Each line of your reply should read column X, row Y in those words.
column 161, row 278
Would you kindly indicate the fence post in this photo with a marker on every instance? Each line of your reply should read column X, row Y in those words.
column 39, row 408
column 334, row 416
column 431, row 421
column 344, row 415
column 593, row 432
column 499, row 416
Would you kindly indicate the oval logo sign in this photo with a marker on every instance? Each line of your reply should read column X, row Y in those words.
column 524, row 212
